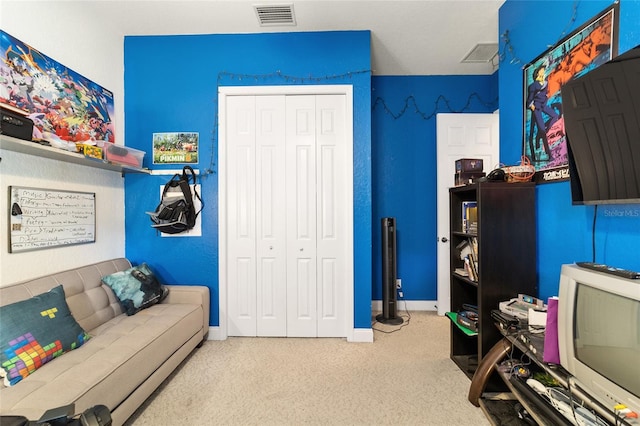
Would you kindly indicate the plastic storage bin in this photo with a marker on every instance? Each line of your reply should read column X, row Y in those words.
column 123, row 155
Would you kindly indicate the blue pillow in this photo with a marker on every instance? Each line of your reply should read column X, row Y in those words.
column 34, row 331
column 136, row 288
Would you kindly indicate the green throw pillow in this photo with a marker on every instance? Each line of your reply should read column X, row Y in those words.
column 34, row 331
column 136, row 288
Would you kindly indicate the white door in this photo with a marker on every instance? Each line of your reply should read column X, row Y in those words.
column 459, row 136
column 301, row 213
column 318, row 241
column 271, row 295
column 240, row 226
column 286, row 203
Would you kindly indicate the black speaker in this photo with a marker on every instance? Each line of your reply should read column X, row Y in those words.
column 389, row 273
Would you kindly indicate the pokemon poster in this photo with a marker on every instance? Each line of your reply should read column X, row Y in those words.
column 61, row 103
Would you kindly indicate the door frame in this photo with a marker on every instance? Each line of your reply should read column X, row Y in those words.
column 223, row 93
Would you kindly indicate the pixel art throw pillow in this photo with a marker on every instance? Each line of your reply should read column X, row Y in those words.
column 35, row 331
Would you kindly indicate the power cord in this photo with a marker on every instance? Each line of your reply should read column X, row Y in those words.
column 405, row 319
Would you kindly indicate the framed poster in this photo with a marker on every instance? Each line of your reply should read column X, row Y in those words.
column 544, row 141
column 175, row 148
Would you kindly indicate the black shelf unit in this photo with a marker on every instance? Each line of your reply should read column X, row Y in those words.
column 506, row 237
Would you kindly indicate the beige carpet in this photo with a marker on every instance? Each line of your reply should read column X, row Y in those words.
column 403, row 378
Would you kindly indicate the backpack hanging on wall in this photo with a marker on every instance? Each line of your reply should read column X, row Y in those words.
column 176, row 212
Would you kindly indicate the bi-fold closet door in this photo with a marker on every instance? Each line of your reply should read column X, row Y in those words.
column 288, row 233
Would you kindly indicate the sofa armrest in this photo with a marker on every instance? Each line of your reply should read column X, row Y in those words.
column 192, row 294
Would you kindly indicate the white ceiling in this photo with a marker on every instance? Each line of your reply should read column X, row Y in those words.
column 408, row 37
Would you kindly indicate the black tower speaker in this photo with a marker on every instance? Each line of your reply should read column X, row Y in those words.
column 389, row 273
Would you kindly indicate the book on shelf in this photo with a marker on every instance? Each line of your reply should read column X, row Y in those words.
column 469, row 268
column 468, row 252
column 470, row 217
column 461, row 271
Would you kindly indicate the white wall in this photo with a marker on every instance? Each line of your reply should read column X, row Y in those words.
column 90, row 46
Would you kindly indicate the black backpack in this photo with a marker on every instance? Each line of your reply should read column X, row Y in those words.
column 176, row 212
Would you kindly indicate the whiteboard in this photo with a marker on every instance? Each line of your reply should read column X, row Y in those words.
column 46, row 218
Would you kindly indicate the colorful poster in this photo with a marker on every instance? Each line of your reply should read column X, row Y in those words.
column 58, row 100
column 589, row 46
column 175, row 148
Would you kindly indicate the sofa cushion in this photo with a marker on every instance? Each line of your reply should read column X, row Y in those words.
column 136, row 288
column 34, row 331
column 121, row 355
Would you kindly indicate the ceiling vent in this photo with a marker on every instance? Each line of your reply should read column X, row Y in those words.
column 482, row 52
column 273, row 15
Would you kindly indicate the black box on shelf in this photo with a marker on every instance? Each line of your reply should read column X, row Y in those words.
column 467, row 177
column 14, row 124
column 465, row 165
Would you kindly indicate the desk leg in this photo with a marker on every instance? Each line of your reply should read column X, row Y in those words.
column 486, row 367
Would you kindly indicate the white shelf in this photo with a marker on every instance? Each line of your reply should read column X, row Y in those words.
column 36, row 149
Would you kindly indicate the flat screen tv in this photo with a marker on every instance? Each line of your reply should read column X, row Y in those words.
column 601, row 112
column 599, row 335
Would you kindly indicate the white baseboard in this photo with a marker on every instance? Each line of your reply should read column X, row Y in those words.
column 359, row 335
column 215, row 333
column 407, row 305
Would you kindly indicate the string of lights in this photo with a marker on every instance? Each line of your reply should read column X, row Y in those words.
column 508, row 46
column 411, row 101
column 288, row 78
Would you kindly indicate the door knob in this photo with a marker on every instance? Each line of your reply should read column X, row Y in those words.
column 444, row 239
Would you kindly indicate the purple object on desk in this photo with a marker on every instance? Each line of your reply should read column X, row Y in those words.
column 551, row 352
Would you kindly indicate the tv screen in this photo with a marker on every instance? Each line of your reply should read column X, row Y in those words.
column 606, row 343
column 599, row 335
column 602, row 123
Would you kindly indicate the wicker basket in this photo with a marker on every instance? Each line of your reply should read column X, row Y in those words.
column 521, row 173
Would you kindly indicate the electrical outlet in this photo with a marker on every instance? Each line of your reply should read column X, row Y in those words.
column 398, row 283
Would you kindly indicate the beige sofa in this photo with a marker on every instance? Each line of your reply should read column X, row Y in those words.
column 126, row 358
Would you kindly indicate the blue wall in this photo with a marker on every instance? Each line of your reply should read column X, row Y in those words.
column 404, row 167
column 527, row 29
column 171, row 84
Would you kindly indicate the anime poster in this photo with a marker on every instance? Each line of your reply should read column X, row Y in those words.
column 177, row 147
column 62, row 103
column 544, row 142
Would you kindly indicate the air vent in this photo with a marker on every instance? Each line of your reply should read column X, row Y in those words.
column 482, row 52
column 273, row 15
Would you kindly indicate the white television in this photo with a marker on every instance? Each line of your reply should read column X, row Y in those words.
column 599, row 335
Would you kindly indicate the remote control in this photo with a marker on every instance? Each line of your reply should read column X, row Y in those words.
column 625, row 273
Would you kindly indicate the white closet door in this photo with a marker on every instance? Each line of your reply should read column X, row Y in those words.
column 270, row 219
column 333, row 190
column 301, row 216
column 289, row 221
column 241, row 214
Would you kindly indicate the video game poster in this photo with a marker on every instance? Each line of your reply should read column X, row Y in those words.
column 57, row 99
column 175, row 148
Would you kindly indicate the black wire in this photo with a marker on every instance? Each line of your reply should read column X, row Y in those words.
column 404, row 323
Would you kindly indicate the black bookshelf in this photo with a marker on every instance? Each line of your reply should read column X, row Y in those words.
column 506, row 260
